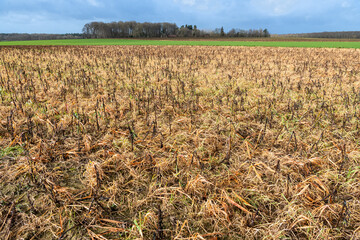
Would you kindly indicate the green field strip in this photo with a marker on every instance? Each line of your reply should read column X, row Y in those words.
column 99, row 42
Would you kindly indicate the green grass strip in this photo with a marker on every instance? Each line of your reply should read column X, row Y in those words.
column 94, row 42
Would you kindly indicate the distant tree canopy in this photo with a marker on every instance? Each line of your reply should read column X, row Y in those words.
column 249, row 33
column 339, row 35
column 128, row 29
column 37, row 36
column 154, row 30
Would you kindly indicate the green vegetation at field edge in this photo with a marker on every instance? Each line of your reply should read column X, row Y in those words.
column 85, row 42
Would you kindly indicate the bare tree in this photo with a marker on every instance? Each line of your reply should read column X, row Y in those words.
column 145, row 30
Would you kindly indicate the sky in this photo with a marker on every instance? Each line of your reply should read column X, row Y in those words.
column 278, row 16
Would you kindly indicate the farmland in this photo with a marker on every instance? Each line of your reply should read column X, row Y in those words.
column 251, row 42
column 179, row 142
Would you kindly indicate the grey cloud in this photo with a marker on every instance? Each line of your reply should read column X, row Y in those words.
column 279, row 16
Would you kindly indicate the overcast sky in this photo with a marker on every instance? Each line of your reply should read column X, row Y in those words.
column 279, row 16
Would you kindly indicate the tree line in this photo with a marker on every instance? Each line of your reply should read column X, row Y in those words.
column 133, row 29
column 37, row 36
column 339, row 35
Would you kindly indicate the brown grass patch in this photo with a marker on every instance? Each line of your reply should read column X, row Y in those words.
column 179, row 142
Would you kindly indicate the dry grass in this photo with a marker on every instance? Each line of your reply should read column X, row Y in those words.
column 179, row 142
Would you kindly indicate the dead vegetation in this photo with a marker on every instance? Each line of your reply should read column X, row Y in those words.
column 179, row 143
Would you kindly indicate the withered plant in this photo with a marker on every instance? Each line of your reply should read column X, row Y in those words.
column 149, row 142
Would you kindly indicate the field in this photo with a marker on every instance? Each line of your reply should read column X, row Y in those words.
column 179, row 142
column 270, row 42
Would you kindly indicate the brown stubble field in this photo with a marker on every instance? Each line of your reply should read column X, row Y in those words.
column 174, row 142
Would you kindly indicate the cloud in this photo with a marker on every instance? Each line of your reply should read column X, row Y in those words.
column 38, row 22
column 279, row 16
column 274, row 7
column 93, row 3
column 346, row 4
column 186, row 2
column 279, row 8
column 206, row 6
